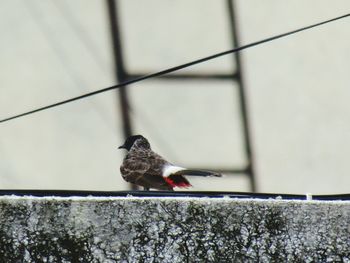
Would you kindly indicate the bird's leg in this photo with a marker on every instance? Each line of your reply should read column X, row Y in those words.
column 146, row 188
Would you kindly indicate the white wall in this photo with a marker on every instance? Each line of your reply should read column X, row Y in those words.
column 50, row 51
column 297, row 93
column 298, row 89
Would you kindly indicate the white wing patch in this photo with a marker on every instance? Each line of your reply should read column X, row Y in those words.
column 170, row 169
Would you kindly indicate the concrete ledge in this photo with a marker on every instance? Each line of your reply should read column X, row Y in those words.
column 129, row 229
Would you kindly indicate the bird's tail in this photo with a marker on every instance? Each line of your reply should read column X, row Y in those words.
column 191, row 172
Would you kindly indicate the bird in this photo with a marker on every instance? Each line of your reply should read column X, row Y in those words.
column 143, row 167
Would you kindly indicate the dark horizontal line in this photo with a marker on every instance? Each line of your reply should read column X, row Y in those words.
column 211, row 194
column 223, row 170
column 189, row 76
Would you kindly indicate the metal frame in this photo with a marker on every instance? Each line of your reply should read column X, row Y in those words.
column 236, row 77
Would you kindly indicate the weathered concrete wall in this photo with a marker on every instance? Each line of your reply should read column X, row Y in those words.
column 44, row 229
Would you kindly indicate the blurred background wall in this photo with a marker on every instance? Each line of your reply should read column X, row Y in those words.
column 296, row 88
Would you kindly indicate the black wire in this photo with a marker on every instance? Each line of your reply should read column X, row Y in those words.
column 172, row 69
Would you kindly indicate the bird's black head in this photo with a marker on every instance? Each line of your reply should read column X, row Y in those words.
column 138, row 140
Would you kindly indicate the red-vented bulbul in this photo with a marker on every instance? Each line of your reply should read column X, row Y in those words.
column 142, row 166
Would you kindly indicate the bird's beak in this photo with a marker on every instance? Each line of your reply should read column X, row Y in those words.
column 121, row 147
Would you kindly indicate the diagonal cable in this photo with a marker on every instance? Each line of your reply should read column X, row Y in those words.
column 176, row 68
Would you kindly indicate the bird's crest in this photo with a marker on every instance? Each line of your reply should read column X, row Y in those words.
column 139, row 140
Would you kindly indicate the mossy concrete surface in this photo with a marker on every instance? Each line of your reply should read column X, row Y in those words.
column 131, row 229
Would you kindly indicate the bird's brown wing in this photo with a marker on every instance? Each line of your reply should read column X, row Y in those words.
column 144, row 172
